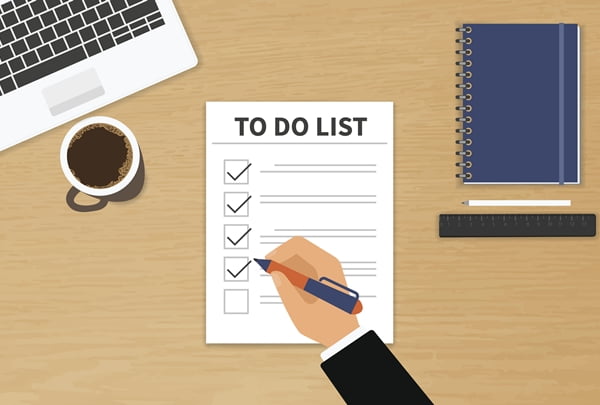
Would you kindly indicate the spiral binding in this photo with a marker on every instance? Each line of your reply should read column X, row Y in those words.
column 465, row 97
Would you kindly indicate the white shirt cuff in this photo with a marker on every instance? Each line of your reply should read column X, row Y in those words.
column 343, row 343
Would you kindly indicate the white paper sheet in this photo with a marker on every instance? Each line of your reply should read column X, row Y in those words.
column 331, row 182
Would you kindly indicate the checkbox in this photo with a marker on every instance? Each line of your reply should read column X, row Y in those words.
column 237, row 204
column 237, row 236
column 236, row 268
column 237, row 171
column 235, row 302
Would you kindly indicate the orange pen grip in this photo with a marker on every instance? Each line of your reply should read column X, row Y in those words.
column 297, row 279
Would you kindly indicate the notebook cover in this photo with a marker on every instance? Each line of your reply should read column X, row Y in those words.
column 517, row 98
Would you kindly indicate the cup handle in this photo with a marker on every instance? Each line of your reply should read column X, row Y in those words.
column 72, row 193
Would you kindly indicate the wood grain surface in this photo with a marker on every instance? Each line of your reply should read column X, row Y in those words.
column 108, row 307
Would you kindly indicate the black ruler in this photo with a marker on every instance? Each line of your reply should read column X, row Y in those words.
column 489, row 225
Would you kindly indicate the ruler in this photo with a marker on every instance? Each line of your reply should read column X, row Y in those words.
column 516, row 225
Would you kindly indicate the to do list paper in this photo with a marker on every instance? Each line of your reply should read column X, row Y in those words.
column 274, row 170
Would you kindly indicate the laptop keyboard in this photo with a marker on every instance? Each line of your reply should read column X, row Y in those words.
column 40, row 37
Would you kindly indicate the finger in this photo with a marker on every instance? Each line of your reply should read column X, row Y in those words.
column 298, row 264
column 310, row 253
column 290, row 295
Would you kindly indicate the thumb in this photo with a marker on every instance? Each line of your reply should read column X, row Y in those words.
column 288, row 292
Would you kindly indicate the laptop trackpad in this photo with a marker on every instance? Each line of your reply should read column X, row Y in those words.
column 73, row 92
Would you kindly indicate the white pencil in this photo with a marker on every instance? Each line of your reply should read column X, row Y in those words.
column 518, row 203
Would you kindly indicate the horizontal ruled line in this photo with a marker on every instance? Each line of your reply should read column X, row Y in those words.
column 299, row 143
column 362, row 268
column 327, row 230
column 319, row 236
column 318, row 171
column 327, row 164
column 318, row 202
column 319, row 195
column 368, row 262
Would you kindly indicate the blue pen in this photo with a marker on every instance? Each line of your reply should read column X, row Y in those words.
column 346, row 300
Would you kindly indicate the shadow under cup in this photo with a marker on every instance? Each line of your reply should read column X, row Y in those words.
column 101, row 158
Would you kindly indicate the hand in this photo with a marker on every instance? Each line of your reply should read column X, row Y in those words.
column 314, row 318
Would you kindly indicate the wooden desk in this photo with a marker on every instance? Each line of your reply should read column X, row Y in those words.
column 108, row 307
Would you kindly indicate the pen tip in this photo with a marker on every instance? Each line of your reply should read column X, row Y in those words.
column 464, row 203
column 263, row 263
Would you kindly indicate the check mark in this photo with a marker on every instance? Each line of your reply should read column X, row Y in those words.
column 234, row 178
column 238, row 273
column 240, row 239
column 235, row 210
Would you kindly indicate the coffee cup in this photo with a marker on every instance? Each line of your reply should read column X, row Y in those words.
column 100, row 157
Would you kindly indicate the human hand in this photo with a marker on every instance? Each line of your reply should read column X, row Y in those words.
column 314, row 318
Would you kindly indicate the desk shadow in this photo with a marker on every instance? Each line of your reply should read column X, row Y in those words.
column 128, row 193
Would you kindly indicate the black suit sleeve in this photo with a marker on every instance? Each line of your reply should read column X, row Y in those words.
column 366, row 372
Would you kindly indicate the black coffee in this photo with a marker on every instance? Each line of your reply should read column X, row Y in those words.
column 99, row 155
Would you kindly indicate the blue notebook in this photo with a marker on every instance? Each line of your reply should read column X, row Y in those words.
column 519, row 103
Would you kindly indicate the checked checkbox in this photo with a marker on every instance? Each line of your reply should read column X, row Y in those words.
column 236, row 268
column 237, row 204
column 237, row 171
column 237, row 236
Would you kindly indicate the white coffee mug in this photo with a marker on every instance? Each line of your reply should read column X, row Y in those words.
column 103, row 194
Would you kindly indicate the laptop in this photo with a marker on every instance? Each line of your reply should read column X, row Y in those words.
column 60, row 59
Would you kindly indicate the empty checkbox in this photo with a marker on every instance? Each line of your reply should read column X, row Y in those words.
column 236, row 302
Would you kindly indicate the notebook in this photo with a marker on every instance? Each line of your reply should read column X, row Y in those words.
column 519, row 104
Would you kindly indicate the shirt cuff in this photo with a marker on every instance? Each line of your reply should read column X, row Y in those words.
column 342, row 343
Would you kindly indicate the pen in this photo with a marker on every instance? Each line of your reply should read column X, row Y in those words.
column 517, row 203
column 346, row 301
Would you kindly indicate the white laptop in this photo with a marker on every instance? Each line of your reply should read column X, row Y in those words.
column 60, row 59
